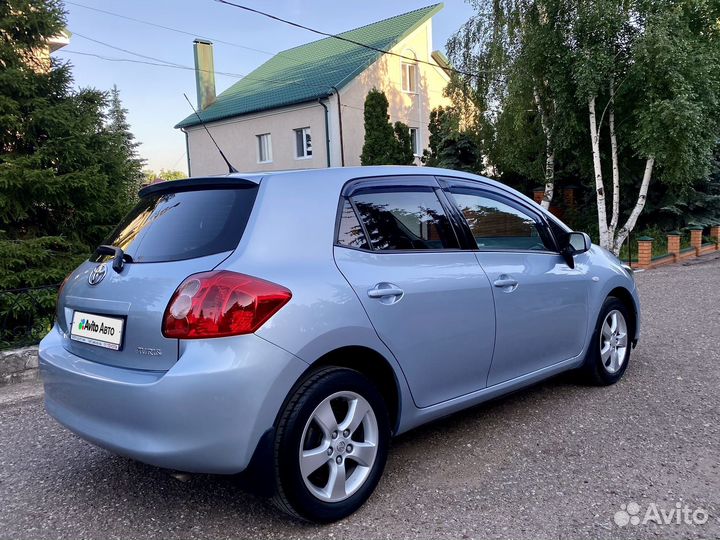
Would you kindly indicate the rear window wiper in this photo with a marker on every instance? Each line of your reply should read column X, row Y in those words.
column 118, row 255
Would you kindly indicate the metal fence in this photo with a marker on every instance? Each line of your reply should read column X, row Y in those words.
column 26, row 315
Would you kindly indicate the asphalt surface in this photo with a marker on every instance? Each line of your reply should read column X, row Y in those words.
column 554, row 461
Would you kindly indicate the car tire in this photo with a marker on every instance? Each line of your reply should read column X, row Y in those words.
column 335, row 426
column 609, row 353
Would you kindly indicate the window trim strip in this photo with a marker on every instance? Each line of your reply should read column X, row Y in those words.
column 442, row 186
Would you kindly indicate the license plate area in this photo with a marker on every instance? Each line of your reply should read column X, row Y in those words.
column 98, row 330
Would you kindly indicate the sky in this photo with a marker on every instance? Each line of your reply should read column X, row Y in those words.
column 153, row 94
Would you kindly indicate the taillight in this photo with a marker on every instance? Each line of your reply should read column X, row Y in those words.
column 222, row 303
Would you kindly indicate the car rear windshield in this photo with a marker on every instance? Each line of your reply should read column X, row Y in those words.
column 184, row 225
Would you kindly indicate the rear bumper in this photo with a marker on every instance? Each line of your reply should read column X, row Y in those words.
column 206, row 414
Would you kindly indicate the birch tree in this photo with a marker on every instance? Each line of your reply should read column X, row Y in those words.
column 517, row 52
column 658, row 64
column 644, row 74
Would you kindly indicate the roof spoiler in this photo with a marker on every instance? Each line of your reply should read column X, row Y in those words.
column 194, row 184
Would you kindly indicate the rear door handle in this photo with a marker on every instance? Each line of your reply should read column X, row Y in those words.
column 385, row 290
column 506, row 282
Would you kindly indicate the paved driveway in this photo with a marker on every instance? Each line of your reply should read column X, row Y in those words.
column 554, row 461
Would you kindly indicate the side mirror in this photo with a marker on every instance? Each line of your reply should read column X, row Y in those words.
column 573, row 244
column 578, row 242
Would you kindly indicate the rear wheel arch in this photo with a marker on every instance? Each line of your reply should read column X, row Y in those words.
column 325, row 441
column 370, row 363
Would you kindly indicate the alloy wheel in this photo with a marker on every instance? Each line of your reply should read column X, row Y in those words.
column 336, row 456
column 613, row 341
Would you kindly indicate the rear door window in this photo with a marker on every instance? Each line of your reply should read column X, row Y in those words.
column 405, row 219
column 184, row 225
column 350, row 232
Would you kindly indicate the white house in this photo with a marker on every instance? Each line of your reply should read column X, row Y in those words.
column 303, row 108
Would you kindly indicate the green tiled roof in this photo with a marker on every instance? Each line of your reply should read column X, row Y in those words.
column 309, row 72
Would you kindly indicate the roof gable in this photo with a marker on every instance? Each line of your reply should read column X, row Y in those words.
column 309, row 72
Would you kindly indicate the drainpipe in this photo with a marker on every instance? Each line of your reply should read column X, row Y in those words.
column 342, row 146
column 327, row 130
column 187, row 149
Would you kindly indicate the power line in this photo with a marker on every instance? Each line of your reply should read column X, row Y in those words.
column 341, row 38
column 78, row 34
column 132, row 61
column 179, row 31
column 169, row 28
column 179, row 159
column 167, row 63
column 162, row 63
column 254, row 49
column 281, row 53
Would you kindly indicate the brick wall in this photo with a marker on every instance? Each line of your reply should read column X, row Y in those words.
column 674, row 253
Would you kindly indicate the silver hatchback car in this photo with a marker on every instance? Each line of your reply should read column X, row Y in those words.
column 288, row 324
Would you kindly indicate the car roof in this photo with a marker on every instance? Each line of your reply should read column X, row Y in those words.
column 341, row 175
column 336, row 177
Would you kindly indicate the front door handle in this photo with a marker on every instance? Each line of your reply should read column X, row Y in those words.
column 506, row 283
column 386, row 292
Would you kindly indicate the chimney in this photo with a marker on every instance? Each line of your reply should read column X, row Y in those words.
column 204, row 73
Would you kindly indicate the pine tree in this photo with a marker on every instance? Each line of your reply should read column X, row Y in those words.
column 450, row 147
column 65, row 174
column 119, row 127
column 696, row 206
column 379, row 136
column 403, row 152
column 385, row 144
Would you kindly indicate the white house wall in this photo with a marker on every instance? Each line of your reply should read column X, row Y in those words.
column 237, row 137
column 386, row 75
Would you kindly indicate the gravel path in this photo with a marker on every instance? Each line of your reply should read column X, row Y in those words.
column 555, row 461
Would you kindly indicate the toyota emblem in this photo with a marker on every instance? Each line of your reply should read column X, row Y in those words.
column 97, row 274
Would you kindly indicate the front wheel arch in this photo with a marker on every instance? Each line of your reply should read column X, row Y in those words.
column 591, row 370
column 622, row 294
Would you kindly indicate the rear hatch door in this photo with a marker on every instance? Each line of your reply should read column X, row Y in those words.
column 173, row 232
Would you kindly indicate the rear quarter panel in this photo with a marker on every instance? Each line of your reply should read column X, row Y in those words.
column 289, row 240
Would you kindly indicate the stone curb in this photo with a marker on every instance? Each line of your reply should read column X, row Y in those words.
column 18, row 365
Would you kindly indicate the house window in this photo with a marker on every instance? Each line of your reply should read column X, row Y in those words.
column 409, row 77
column 415, row 140
column 264, row 148
column 303, row 143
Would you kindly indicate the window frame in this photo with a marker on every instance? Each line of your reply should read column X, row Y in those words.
column 560, row 225
column 302, row 131
column 485, row 190
column 412, row 87
column 259, row 138
column 415, row 140
column 417, row 183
